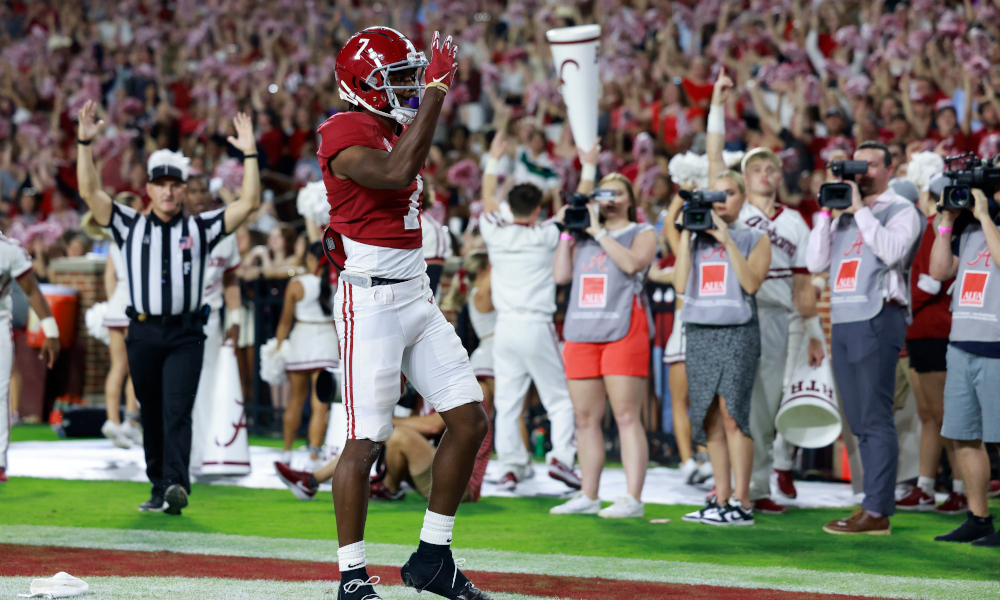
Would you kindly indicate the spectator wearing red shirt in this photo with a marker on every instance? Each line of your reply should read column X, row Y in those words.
column 696, row 84
column 270, row 140
column 671, row 116
column 949, row 139
column 927, row 343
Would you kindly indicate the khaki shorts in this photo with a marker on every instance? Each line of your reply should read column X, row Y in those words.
column 422, row 483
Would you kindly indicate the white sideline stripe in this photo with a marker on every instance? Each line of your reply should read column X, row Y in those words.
column 777, row 578
column 184, row 588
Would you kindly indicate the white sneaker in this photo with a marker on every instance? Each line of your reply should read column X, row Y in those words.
column 704, row 472
column 688, row 469
column 624, row 507
column 286, row 457
column 113, row 432
column 698, row 515
column 579, row 504
column 732, row 513
column 132, row 432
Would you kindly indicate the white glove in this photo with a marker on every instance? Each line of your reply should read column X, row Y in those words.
column 928, row 284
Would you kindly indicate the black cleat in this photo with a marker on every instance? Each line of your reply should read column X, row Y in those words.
column 439, row 575
column 177, row 498
column 971, row 530
column 357, row 585
column 154, row 504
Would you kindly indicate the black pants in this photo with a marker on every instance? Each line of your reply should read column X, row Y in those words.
column 165, row 364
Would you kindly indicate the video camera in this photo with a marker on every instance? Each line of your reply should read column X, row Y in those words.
column 577, row 214
column 697, row 212
column 978, row 173
column 838, row 195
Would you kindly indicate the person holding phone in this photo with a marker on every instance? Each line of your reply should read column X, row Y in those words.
column 718, row 271
column 607, row 349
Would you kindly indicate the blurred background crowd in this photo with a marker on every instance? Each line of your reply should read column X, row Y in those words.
column 814, row 79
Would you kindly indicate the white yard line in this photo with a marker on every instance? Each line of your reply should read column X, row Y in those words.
column 777, row 578
column 184, row 588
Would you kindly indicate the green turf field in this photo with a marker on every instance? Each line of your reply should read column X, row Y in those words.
column 791, row 540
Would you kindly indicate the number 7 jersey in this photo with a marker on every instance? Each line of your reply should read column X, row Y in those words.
column 380, row 228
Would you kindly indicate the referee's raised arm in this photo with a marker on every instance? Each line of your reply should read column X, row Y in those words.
column 238, row 212
column 86, row 172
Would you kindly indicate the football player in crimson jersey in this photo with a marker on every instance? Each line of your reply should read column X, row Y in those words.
column 386, row 317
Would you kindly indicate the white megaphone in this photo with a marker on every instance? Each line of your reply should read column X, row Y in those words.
column 574, row 53
column 227, row 451
column 808, row 416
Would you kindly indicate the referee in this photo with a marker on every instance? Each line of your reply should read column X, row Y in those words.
column 165, row 254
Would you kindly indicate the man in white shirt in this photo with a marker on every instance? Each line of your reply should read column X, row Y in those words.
column 221, row 288
column 785, row 302
column 525, row 344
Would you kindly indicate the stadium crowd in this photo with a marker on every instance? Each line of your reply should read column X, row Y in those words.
column 689, row 90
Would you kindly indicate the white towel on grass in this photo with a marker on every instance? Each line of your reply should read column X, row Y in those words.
column 62, row 585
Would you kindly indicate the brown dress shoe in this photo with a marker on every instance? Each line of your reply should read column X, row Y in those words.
column 859, row 523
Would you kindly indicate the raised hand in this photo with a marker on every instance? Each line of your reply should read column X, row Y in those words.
column 498, row 147
column 244, row 140
column 590, row 157
column 443, row 66
column 723, row 86
column 89, row 125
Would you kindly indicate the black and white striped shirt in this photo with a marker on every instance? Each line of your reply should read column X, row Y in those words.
column 165, row 260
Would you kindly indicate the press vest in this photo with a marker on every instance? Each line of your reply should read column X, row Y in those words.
column 859, row 275
column 713, row 295
column 975, row 302
column 600, row 301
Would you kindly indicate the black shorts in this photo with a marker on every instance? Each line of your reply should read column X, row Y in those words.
column 927, row 354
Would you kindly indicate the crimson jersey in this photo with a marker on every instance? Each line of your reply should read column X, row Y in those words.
column 384, row 218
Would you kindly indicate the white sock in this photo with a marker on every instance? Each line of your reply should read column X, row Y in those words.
column 351, row 556
column 958, row 486
column 437, row 529
column 926, row 484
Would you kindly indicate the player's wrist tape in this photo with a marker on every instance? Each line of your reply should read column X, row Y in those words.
column 600, row 235
column 716, row 120
column 50, row 328
column 589, row 172
column 444, row 88
column 814, row 329
column 492, row 166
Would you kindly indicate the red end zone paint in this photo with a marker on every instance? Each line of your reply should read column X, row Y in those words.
column 40, row 561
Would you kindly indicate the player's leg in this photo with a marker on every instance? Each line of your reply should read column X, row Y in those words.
column 545, row 366
column 408, row 457
column 317, row 422
column 371, row 350
column 439, row 369
column 6, row 367
column 766, row 396
column 511, row 385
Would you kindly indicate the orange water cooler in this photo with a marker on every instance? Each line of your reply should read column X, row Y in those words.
column 63, row 303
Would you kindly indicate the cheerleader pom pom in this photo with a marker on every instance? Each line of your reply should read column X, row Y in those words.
column 312, row 204
column 94, row 318
column 272, row 362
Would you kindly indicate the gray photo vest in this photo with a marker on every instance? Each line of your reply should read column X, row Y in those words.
column 600, row 301
column 975, row 301
column 713, row 295
column 857, row 275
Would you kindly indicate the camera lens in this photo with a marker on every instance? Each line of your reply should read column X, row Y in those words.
column 961, row 198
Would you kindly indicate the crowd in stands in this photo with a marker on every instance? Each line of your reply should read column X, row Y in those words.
column 813, row 80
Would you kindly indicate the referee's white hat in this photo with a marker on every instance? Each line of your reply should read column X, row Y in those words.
column 166, row 163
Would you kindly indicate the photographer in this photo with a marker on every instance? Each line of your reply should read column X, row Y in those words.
column 971, row 401
column 718, row 271
column 607, row 328
column 786, row 300
column 868, row 249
